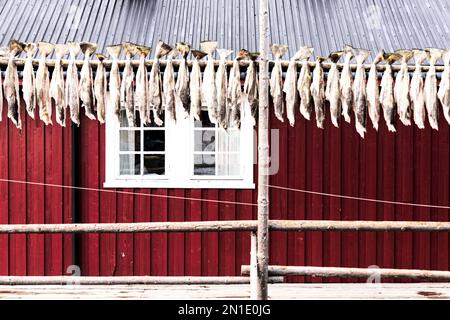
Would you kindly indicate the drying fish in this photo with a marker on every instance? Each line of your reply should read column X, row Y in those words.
column 359, row 91
column 373, row 91
column 235, row 92
column 209, row 90
column 416, row 89
column 332, row 90
column 126, row 88
column 182, row 84
column 114, row 79
column 11, row 84
column 141, row 94
column 346, row 84
column 57, row 85
column 100, row 88
column 251, row 85
column 430, row 88
column 221, row 85
column 444, row 88
column 29, row 79
column 401, row 88
column 72, row 84
column 169, row 87
column 86, row 80
column 387, row 91
column 304, row 89
column 276, row 79
column 43, row 84
column 155, row 84
column 195, row 86
column 318, row 92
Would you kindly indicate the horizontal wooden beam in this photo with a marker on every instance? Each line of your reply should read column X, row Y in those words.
column 353, row 272
column 222, row 226
column 82, row 280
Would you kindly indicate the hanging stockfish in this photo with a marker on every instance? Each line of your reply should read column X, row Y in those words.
column 251, row 85
column 444, row 88
column 100, row 88
column 72, row 96
column 182, row 85
column 11, row 84
column 235, row 92
column 195, row 86
column 209, row 90
column 155, row 85
column 304, row 88
column 127, row 87
column 318, row 92
column 430, row 88
column 276, row 79
column 141, row 94
column 401, row 88
column 416, row 89
column 57, row 85
column 86, row 80
column 346, row 84
column 169, row 86
column 114, row 79
column 332, row 90
column 373, row 91
column 387, row 91
column 221, row 85
column 29, row 79
column 43, row 84
column 359, row 91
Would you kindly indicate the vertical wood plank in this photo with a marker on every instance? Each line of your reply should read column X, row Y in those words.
column 159, row 240
column 175, row 240
column 193, row 251
column 227, row 240
column 67, row 196
column 142, row 244
column 210, row 240
column 4, row 193
column 124, row 244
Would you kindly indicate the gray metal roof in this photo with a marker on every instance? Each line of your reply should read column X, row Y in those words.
column 324, row 24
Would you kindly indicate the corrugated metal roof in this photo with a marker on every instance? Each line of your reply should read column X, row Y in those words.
column 324, row 24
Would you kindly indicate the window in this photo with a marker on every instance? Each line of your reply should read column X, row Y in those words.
column 182, row 154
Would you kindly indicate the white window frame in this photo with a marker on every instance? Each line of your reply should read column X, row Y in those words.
column 179, row 158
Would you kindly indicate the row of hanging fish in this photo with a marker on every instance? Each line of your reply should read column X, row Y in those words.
column 411, row 99
column 149, row 94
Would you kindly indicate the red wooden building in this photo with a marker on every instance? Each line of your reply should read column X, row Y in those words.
column 411, row 165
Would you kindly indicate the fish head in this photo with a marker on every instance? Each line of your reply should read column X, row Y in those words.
column 405, row 54
column 434, row 54
column 45, row 48
column 198, row 54
column 183, row 48
column 61, row 50
column 162, row 49
column 88, row 48
column 224, row 53
column 279, row 50
column 335, row 56
column 360, row 54
column 208, row 46
column 390, row 57
column 378, row 57
column 74, row 48
column 419, row 55
column 143, row 50
column 114, row 50
column 15, row 47
column 303, row 53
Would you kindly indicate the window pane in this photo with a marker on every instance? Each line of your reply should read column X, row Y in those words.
column 154, row 140
column 228, row 140
column 123, row 120
column 204, row 140
column 130, row 140
column 204, row 123
column 152, row 124
column 154, row 164
column 130, row 164
column 228, row 164
column 204, row 164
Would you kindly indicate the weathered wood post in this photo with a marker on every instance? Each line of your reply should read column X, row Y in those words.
column 253, row 266
column 263, row 153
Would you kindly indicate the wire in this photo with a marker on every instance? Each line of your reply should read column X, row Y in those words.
column 359, row 198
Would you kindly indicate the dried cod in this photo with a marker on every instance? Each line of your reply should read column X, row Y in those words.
column 209, row 90
column 169, row 87
column 235, row 93
column 11, row 84
column 304, row 89
column 250, row 89
column 221, row 85
column 182, row 85
column 318, row 92
column 332, row 90
column 87, row 81
column 57, row 91
column 100, row 89
column 401, row 88
column 114, row 79
column 416, row 89
column 141, row 94
column 444, row 88
column 72, row 96
column 430, row 88
column 387, row 91
column 195, row 85
column 359, row 91
column 276, row 80
column 43, row 84
column 29, row 79
column 127, row 87
column 373, row 91
column 346, row 84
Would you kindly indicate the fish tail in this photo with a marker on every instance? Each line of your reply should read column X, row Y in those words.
column 183, row 48
column 224, row 53
column 15, row 46
column 434, row 54
column 30, row 48
column 360, row 54
column 74, row 48
column 114, row 51
column 61, row 50
column 303, row 53
column 198, row 54
column 143, row 50
column 162, row 49
column 45, row 48
column 208, row 46
column 88, row 48
column 100, row 56
column 378, row 57
column 278, row 50
column 335, row 56
column 419, row 55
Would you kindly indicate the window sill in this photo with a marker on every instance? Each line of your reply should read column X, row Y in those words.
column 191, row 184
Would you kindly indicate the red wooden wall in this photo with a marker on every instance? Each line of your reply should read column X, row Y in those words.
column 410, row 166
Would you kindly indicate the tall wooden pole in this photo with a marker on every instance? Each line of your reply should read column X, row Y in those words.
column 263, row 154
